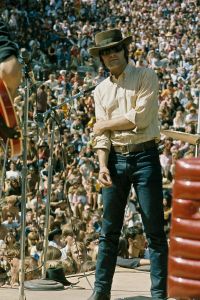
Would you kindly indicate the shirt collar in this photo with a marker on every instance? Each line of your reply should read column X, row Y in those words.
column 123, row 75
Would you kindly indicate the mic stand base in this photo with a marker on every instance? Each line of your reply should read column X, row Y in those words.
column 43, row 285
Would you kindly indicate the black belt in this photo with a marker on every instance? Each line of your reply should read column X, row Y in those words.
column 126, row 149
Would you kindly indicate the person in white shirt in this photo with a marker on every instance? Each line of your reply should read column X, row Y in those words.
column 13, row 172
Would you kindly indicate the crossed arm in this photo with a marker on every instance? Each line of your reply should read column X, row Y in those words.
column 119, row 123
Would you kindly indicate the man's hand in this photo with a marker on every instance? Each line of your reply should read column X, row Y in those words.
column 99, row 127
column 104, row 177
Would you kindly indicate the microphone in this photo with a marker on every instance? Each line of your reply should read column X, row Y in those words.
column 25, row 55
column 90, row 89
column 26, row 58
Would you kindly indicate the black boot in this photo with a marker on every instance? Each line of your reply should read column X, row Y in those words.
column 99, row 296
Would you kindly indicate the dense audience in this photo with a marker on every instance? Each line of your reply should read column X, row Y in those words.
column 57, row 35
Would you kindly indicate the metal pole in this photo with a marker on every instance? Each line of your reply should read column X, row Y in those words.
column 4, row 169
column 24, row 191
column 46, row 230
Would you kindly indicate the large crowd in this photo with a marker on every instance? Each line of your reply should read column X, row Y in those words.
column 57, row 35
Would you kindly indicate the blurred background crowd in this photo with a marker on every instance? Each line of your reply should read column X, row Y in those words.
column 57, row 35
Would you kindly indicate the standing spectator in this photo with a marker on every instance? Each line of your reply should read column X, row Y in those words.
column 179, row 121
column 32, row 154
column 41, row 99
column 192, row 117
column 100, row 77
column 51, row 82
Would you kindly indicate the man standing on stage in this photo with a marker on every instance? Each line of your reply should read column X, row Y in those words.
column 126, row 106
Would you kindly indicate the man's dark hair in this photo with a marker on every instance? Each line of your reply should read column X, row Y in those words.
column 132, row 232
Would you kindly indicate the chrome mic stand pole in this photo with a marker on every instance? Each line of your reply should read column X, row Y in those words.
column 49, row 183
column 24, row 187
column 4, row 169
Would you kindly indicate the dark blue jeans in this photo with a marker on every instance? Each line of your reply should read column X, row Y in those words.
column 143, row 170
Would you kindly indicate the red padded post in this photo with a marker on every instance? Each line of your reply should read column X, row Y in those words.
column 184, row 249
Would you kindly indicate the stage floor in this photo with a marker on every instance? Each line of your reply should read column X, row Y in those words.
column 127, row 284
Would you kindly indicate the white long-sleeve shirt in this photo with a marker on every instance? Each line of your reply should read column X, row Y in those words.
column 133, row 95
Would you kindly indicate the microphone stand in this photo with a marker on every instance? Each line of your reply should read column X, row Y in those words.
column 4, row 169
column 44, row 284
column 24, row 186
column 50, row 172
column 68, row 100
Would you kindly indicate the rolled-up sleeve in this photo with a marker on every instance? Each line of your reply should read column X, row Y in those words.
column 102, row 141
column 147, row 101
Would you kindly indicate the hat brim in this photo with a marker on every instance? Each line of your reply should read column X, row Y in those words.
column 53, row 233
column 94, row 51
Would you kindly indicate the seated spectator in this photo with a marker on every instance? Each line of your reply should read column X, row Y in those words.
column 13, row 173
column 10, row 208
column 10, row 222
column 10, row 239
column 44, row 175
column 166, row 160
column 86, row 170
column 13, row 187
column 32, row 270
column 92, row 244
column 32, row 180
column 167, row 207
column 60, row 192
column 55, row 238
column 3, row 232
column 33, row 238
column 43, row 154
column 32, row 154
column 79, row 255
column 131, row 249
column 192, row 117
column 13, row 255
column 68, row 240
column 132, row 215
column 53, row 253
column 92, row 194
column 179, row 121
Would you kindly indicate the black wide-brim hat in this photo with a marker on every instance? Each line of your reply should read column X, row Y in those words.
column 107, row 39
column 57, row 274
column 53, row 233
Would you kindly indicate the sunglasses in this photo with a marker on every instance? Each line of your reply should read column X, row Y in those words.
column 114, row 49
